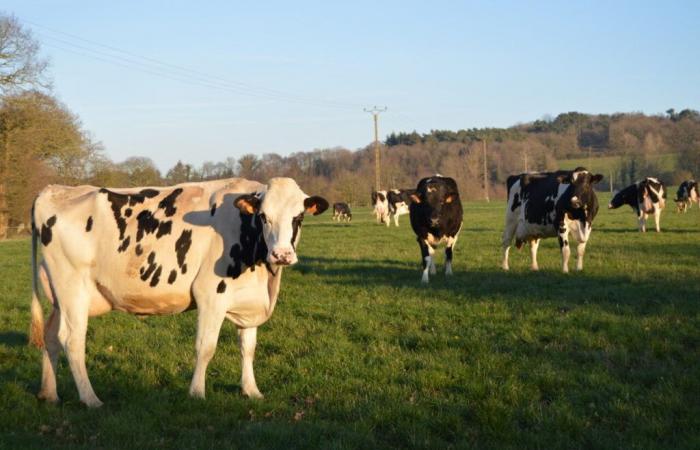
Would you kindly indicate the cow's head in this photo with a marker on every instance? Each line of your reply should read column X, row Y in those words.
column 579, row 201
column 281, row 209
column 620, row 197
column 434, row 194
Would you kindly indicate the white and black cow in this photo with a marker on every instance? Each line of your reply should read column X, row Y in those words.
column 549, row 204
column 687, row 195
column 647, row 196
column 381, row 207
column 436, row 217
column 218, row 246
column 341, row 211
column 399, row 201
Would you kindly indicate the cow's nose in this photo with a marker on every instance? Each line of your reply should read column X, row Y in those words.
column 609, row 205
column 283, row 256
column 434, row 221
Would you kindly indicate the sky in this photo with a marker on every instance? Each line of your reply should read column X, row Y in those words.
column 203, row 81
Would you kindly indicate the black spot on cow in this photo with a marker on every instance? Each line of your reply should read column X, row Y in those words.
column 168, row 203
column 296, row 226
column 149, row 193
column 221, row 288
column 164, row 228
column 516, row 202
column 46, row 234
column 128, row 211
column 183, row 269
column 251, row 248
column 124, row 245
column 213, row 209
column 182, row 246
column 156, row 276
column 147, row 224
column 148, row 271
column 139, row 250
column 117, row 201
column 172, row 276
column 88, row 226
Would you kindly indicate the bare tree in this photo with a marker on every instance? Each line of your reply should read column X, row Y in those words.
column 21, row 66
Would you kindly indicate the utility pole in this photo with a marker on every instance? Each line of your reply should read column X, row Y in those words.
column 486, row 177
column 375, row 113
column 526, row 166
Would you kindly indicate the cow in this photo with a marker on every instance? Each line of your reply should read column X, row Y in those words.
column 381, row 207
column 647, row 196
column 217, row 246
column 341, row 211
column 436, row 217
column 549, row 204
column 687, row 195
column 399, row 201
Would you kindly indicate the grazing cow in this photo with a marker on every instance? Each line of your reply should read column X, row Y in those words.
column 399, row 201
column 341, row 211
column 645, row 197
column 687, row 195
column 436, row 217
column 381, row 207
column 218, row 246
column 549, row 204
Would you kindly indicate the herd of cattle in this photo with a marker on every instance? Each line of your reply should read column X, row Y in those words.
column 221, row 246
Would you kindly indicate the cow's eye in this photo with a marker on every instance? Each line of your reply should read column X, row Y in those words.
column 264, row 218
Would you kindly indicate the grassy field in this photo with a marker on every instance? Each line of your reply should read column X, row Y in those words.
column 359, row 355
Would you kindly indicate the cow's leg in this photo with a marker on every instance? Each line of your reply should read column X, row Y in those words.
column 657, row 219
column 396, row 219
column 427, row 258
column 580, row 251
column 209, row 323
column 451, row 242
column 508, row 233
column 643, row 222
column 74, row 303
column 247, row 339
column 49, row 363
column 564, row 246
column 534, row 245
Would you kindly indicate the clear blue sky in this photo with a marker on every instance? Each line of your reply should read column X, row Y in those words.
column 435, row 64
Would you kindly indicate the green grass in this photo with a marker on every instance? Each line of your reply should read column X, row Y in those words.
column 359, row 355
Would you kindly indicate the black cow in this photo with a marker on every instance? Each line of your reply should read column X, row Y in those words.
column 436, row 217
column 645, row 197
column 687, row 195
column 341, row 211
column 399, row 202
column 550, row 204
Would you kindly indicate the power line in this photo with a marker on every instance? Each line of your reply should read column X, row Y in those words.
column 156, row 67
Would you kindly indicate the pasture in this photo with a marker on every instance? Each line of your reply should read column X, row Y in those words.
column 359, row 354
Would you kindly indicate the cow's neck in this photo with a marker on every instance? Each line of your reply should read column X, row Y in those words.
column 274, row 278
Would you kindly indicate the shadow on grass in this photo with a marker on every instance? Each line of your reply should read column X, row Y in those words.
column 13, row 339
column 642, row 296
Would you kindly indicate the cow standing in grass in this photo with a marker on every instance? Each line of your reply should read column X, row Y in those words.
column 436, row 217
column 686, row 195
column 381, row 207
column 542, row 205
column 217, row 246
column 399, row 201
column 645, row 197
column 341, row 211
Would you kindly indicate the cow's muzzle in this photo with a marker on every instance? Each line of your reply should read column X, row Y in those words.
column 282, row 257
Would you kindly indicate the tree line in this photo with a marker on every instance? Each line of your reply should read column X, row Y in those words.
column 42, row 141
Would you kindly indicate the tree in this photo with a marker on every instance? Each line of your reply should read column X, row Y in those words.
column 141, row 171
column 180, row 173
column 20, row 64
column 248, row 166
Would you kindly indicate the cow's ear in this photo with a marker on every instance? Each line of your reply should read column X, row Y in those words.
column 597, row 178
column 564, row 179
column 248, row 203
column 315, row 205
column 450, row 198
column 415, row 198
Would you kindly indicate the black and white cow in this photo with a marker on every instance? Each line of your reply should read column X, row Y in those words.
column 687, row 195
column 549, row 204
column 647, row 196
column 399, row 201
column 436, row 217
column 381, row 207
column 217, row 246
column 341, row 211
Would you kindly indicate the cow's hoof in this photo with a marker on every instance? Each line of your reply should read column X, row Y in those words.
column 48, row 398
column 93, row 403
column 196, row 393
column 424, row 280
column 253, row 394
column 535, row 268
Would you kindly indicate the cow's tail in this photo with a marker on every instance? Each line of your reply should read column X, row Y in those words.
column 36, row 332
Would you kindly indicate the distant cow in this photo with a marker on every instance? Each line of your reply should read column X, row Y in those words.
column 217, row 246
column 381, row 207
column 436, row 217
column 687, row 195
column 399, row 201
column 341, row 211
column 549, row 204
column 645, row 197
